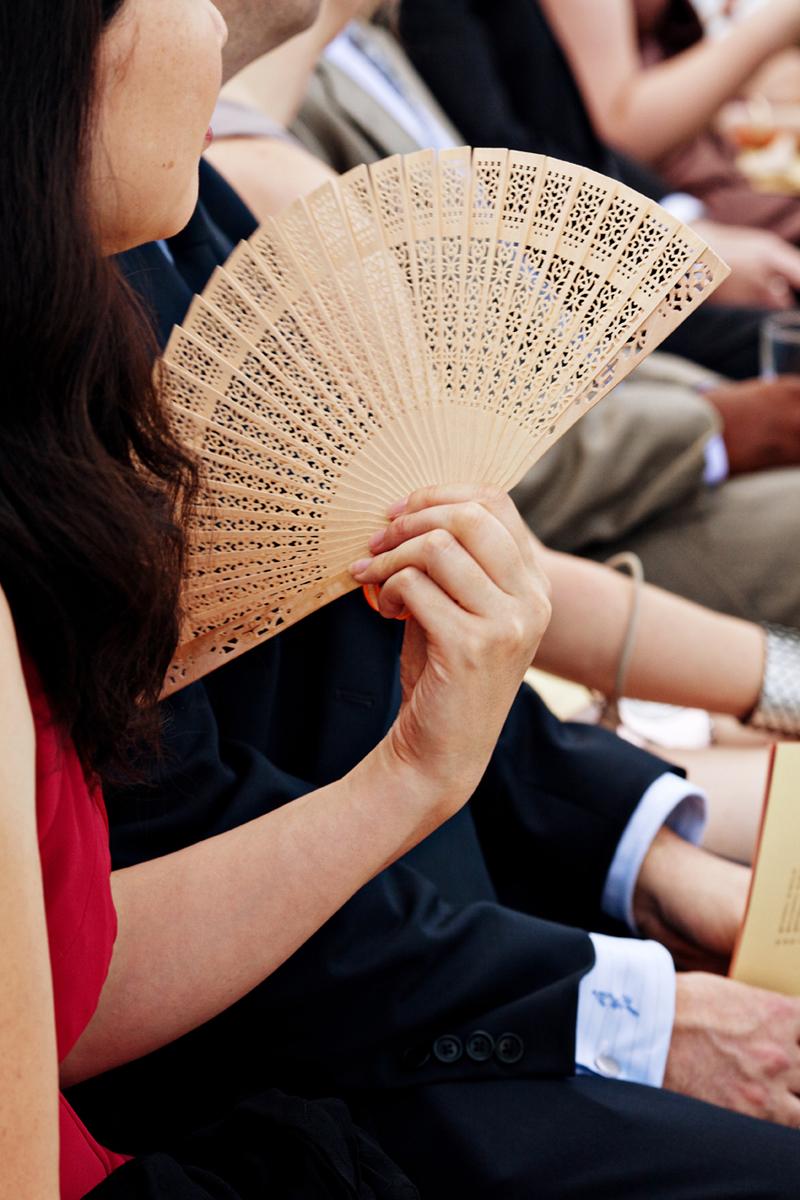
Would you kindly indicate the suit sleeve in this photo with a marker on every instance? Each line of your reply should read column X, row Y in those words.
column 551, row 811
column 407, row 959
column 203, row 785
column 401, row 981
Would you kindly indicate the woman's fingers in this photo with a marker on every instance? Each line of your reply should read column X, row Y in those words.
column 486, row 539
column 457, row 570
column 413, row 591
column 497, row 502
column 479, row 607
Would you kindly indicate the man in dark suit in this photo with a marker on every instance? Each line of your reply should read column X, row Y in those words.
column 442, row 1001
column 501, row 77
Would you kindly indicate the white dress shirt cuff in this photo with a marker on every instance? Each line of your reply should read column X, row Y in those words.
column 626, row 1009
column 684, row 207
column 717, row 466
column 669, row 801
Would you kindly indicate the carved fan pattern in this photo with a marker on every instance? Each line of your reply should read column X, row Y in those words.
column 432, row 318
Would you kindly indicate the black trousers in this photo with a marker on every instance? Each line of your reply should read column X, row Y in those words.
column 517, row 1139
column 274, row 1147
column 581, row 1139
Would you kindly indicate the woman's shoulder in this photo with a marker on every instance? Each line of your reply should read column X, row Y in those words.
column 10, row 657
column 17, row 735
column 14, row 681
column 7, row 631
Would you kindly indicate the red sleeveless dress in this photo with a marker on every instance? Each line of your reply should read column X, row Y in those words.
column 81, row 922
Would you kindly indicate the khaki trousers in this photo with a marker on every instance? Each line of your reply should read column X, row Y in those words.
column 734, row 548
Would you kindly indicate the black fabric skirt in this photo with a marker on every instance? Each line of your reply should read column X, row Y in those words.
column 273, row 1147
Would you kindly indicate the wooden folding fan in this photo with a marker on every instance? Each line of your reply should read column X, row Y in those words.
column 431, row 319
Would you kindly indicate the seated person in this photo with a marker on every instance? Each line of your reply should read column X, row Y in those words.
column 441, row 999
column 653, row 83
column 531, row 102
column 93, row 492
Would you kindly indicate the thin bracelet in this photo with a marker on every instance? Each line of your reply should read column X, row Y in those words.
column 628, row 561
column 631, row 563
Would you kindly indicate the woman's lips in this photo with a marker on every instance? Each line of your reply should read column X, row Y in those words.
column 208, row 138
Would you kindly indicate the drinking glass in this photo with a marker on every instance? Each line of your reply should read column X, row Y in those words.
column 780, row 345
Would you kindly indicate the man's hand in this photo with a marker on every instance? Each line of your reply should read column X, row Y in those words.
column 761, row 422
column 732, row 1045
column 736, row 1046
column 690, row 901
column 765, row 270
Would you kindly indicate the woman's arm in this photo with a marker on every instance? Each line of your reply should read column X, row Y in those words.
column 277, row 83
column 683, row 654
column 647, row 111
column 200, row 928
column 268, row 173
column 28, row 1070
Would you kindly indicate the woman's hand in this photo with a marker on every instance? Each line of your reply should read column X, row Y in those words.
column 461, row 562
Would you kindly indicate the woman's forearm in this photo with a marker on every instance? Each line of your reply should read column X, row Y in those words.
column 648, row 111
column 201, row 927
column 28, row 1072
column 675, row 100
column 683, row 653
column 277, row 83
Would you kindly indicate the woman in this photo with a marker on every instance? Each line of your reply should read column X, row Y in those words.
column 105, row 106
column 653, row 84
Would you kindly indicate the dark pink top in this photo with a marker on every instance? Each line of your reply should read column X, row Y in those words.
column 81, row 922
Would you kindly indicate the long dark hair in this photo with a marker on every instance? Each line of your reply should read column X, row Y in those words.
column 92, row 483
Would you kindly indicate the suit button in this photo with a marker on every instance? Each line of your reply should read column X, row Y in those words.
column 607, row 1065
column 448, row 1048
column 480, row 1046
column 509, row 1049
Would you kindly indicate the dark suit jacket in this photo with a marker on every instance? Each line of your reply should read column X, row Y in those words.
column 455, row 938
column 501, row 77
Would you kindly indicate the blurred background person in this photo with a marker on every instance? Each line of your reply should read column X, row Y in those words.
column 653, row 85
column 778, row 81
column 637, row 472
column 506, row 53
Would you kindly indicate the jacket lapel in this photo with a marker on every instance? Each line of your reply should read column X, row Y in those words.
column 165, row 293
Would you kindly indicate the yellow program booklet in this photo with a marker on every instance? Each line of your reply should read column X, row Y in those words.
column 768, row 949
